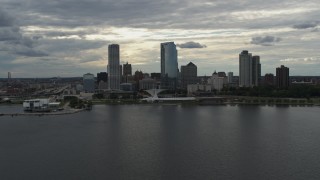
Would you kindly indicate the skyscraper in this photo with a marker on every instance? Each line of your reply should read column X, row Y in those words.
column 249, row 69
column 169, row 60
column 114, row 66
column 188, row 75
column 245, row 69
column 256, row 70
column 282, row 77
column 169, row 65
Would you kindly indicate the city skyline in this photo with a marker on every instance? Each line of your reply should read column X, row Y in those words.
column 37, row 37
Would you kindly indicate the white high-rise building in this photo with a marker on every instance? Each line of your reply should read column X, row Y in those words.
column 169, row 60
column 114, row 67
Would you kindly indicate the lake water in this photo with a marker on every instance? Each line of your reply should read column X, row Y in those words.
column 163, row 142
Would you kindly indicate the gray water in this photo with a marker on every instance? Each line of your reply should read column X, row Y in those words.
column 163, row 142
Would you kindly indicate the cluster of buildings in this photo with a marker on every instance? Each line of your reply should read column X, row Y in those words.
column 121, row 78
column 250, row 73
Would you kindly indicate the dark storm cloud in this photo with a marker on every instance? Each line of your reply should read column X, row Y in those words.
column 191, row 44
column 62, row 27
column 169, row 14
column 141, row 13
column 305, row 25
column 24, row 51
column 5, row 19
column 71, row 46
column 265, row 40
column 13, row 41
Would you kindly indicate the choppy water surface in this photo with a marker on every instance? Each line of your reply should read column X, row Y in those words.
column 163, row 142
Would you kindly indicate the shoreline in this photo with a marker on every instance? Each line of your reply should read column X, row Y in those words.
column 73, row 111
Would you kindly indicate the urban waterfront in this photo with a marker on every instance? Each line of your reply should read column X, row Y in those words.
column 163, row 142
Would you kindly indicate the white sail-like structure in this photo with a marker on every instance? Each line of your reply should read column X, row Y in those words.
column 154, row 96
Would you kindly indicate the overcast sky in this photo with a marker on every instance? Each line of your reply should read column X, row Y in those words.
column 65, row 38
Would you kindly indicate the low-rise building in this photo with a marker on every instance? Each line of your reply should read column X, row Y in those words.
column 194, row 88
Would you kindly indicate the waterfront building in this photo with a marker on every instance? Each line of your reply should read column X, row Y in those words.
column 217, row 82
column 194, row 88
column 169, row 60
column 40, row 105
column 114, row 67
column 249, row 69
column 88, row 83
column 245, row 69
column 102, row 85
column 188, row 75
column 269, row 79
column 230, row 77
column 126, row 87
column 156, row 76
column 169, row 65
column 138, row 75
column 147, row 83
column 127, row 69
column 256, row 70
column 282, row 76
column 102, row 76
column 222, row 74
column 121, row 74
column 127, row 72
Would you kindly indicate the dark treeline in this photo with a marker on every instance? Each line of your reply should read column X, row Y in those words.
column 296, row 91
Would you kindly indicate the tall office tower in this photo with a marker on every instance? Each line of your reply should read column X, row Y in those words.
column 230, row 77
column 169, row 60
column 188, row 75
column 256, row 70
column 269, row 79
column 245, row 69
column 88, row 83
column 127, row 69
column 282, row 77
column 114, row 67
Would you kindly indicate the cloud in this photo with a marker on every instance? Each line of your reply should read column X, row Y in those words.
column 29, row 52
column 191, row 44
column 13, row 41
column 5, row 19
column 265, row 40
column 305, row 25
column 29, row 28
